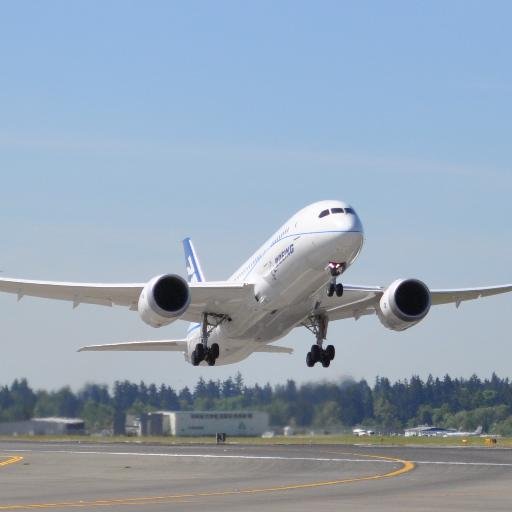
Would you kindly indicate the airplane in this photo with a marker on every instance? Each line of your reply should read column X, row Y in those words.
column 477, row 432
column 292, row 280
column 361, row 432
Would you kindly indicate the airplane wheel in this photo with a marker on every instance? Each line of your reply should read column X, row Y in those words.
column 194, row 359
column 316, row 353
column 211, row 361
column 330, row 352
column 339, row 290
column 326, row 362
column 214, row 350
column 199, row 351
column 331, row 290
column 309, row 360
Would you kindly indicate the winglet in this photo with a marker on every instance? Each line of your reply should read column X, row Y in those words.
column 194, row 271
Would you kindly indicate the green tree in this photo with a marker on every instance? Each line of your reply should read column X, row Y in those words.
column 97, row 416
column 327, row 415
column 46, row 405
column 386, row 414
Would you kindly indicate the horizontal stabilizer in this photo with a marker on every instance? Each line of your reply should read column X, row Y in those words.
column 274, row 349
column 139, row 346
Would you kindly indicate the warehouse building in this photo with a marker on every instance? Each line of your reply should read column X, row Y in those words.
column 204, row 423
column 426, row 431
column 43, row 427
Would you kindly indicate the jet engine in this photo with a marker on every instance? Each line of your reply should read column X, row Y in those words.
column 404, row 303
column 163, row 300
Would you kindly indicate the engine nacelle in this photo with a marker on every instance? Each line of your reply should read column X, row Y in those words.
column 163, row 300
column 404, row 303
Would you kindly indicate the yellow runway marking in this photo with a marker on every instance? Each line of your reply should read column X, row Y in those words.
column 10, row 460
column 407, row 466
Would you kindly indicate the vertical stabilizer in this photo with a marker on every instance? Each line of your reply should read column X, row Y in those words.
column 194, row 271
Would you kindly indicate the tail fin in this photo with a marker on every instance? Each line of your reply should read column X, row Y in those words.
column 479, row 430
column 194, row 271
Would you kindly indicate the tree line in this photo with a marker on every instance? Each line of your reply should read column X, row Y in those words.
column 386, row 406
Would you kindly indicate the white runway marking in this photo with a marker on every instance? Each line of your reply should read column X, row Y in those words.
column 455, row 463
column 262, row 457
column 207, row 456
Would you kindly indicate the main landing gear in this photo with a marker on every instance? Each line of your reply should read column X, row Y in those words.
column 318, row 326
column 335, row 269
column 203, row 352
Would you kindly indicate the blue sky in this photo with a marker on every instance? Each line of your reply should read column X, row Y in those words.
column 125, row 126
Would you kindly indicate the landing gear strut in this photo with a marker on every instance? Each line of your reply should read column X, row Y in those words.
column 203, row 352
column 335, row 269
column 318, row 326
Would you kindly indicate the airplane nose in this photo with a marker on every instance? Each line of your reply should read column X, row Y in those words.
column 355, row 223
column 350, row 222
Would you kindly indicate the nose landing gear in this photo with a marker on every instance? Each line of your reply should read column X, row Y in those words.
column 335, row 269
column 318, row 326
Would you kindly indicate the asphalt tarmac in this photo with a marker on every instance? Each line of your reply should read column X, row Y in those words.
column 70, row 476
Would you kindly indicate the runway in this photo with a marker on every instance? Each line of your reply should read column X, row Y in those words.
column 68, row 476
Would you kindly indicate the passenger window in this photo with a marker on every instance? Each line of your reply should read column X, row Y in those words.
column 350, row 210
column 337, row 210
column 324, row 214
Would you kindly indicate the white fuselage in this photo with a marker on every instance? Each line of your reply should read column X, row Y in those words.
column 287, row 271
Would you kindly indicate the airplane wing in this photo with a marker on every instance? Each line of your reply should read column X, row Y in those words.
column 459, row 295
column 135, row 346
column 218, row 297
column 358, row 301
column 78, row 293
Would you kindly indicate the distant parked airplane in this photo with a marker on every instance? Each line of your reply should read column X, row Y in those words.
column 290, row 281
column 360, row 432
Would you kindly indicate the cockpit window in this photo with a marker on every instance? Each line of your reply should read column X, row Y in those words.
column 350, row 210
column 324, row 213
column 337, row 210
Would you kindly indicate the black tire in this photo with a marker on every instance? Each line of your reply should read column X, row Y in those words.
column 339, row 290
column 331, row 290
column 326, row 362
column 309, row 360
column 316, row 353
column 193, row 358
column 330, row 352
column 214, row 351
column 211, row 361
column 200, row 352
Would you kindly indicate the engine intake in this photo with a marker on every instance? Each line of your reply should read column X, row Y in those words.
column 163, row 300
column 404, row 303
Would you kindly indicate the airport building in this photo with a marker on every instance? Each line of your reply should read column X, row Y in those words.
column 43, row 427
column 204, row 423
column 426, row 431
